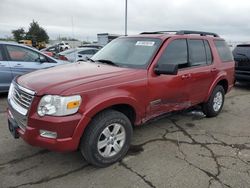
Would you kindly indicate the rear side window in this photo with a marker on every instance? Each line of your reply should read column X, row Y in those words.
column 197, row 53
column 175, row 53
column 223, row 50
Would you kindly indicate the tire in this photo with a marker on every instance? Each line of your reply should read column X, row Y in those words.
column 99, row 146
column 215, row 102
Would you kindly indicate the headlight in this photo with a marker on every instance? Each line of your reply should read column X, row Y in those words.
column 55, row 105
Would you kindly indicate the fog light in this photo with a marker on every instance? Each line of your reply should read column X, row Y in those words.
column 48, row 134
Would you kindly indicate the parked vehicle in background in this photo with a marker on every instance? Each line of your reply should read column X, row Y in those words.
column 16, row 59
column 90, row 46
column 51, row 50
column 33, row 43
column 241, row 55
column 77, row 54
column 63, row 46
column 93, row 106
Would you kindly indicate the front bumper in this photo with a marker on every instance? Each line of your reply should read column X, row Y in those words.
column 69, row 129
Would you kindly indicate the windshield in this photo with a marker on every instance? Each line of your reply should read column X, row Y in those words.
column 129, row 52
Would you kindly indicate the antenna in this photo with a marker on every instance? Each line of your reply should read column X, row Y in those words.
column 126, row 17
column 73, row 35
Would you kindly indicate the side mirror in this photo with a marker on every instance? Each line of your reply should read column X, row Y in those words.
column 42, row 59
column 171, row 69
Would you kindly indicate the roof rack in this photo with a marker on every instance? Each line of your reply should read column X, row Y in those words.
column 183, row 32
column 158, row 32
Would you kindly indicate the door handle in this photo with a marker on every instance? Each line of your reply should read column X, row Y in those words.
column 186, row 76
column 18, row 65
column 213, row 70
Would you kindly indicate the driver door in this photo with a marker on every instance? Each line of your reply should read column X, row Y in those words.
column 170, row 92
column 23, row 60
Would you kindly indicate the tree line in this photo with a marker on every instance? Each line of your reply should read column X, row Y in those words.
column 35, row 32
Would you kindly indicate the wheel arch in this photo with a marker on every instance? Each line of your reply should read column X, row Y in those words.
column 125, row 105
column 222, row 80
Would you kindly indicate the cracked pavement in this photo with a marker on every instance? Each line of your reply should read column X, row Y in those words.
column 184, row 149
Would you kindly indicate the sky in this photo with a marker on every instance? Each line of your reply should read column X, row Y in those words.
column 83, row 19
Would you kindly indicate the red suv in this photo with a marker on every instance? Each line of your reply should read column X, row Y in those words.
column 94, row 105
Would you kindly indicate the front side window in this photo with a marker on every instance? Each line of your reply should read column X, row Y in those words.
column 223, row 50
column 197, row 53
column 17, row 53
column 175, row 53
column 129, row 52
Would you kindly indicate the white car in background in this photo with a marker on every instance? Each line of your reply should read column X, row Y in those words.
column 77, row 54
column 63, row 46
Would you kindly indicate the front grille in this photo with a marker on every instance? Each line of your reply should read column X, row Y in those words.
column 20, row 98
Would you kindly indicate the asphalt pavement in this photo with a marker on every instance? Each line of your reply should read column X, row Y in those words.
column 181, row 150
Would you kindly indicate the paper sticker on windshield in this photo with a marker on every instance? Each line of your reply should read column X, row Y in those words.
column 145, row 43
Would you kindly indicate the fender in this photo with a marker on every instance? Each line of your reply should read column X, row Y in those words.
column 111, row 101
column 92, row 108
column 220, row 76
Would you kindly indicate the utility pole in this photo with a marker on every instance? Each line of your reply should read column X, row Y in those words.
column 126, row 17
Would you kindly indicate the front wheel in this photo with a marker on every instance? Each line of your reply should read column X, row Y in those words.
column 107, row 138
column 215, row 103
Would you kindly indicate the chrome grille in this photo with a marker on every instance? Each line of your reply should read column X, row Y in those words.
column 20, row 98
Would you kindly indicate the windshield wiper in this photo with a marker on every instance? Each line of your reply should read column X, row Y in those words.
column 89, row 59
column 106, row 61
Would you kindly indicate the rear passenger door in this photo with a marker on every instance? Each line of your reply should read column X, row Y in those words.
column 201, row 69
column 5, row 72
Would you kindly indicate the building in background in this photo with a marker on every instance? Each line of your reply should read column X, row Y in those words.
column 105, row 38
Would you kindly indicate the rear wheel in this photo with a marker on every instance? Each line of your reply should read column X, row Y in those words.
column 107, row 138
column 215, row 103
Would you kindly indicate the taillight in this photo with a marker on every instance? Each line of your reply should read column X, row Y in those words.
column 62, row 57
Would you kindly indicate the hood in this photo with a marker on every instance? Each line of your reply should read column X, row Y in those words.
column 57, row 79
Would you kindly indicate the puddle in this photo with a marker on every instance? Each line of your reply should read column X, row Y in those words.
column 190, row 124
column 135, row 150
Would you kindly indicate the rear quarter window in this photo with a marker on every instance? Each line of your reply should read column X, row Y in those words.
column 223, row 50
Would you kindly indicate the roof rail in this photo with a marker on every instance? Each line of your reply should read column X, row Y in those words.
column 186, row 32
column 157, row 32
column 183, row 32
